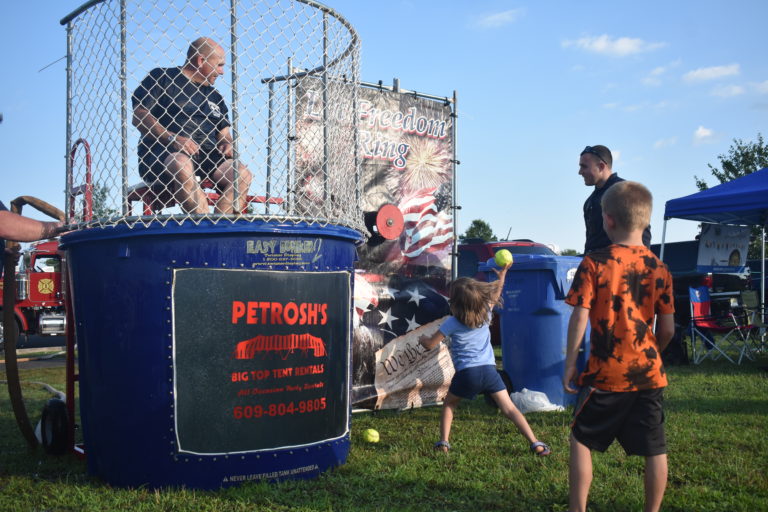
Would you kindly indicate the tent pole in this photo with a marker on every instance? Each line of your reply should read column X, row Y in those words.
column 663, row 237
column 762, row 278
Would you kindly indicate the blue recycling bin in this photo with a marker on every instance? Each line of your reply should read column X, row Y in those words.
column 534, row 323
column 214, row 354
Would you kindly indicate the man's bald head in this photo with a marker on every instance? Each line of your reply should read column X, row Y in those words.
column 203, row 47
column 205, row 61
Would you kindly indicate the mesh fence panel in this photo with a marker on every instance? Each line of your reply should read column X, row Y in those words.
column 273, row 138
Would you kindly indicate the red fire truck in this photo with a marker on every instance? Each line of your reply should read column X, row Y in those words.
column 39, row 306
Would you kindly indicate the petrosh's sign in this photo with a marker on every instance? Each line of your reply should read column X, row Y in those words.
column 260, row 358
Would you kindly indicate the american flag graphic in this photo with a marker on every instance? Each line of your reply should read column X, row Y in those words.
column 366, row 296
column 402, row 305
column 426, row 227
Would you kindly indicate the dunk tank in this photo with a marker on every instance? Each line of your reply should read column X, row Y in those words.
column 214, row 340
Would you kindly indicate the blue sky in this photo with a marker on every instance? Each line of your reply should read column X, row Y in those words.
column 666, row 85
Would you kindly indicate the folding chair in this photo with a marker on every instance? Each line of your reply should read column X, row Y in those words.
column 705, row 327
column 754, row 317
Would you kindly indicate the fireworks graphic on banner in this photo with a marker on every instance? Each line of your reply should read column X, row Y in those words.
column 428, row 166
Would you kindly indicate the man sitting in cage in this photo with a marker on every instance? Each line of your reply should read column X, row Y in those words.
column 185, row 132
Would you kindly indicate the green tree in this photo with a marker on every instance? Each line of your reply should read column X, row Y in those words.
column 570, row 252
column 742, row 159
column 480, row 229
column 100, row 204
column 101, row 209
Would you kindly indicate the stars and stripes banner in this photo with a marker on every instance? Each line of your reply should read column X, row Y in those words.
column 405, row 145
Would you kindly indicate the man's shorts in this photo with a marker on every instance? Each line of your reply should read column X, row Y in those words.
column 152, row 168
column 470, row 381
column 635, row 418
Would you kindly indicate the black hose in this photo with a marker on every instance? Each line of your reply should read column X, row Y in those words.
column 9, row 327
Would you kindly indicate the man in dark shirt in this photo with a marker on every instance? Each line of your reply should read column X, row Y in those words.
column 595, row 166
column 185, row 132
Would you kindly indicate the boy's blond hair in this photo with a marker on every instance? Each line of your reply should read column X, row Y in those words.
column 630, row 204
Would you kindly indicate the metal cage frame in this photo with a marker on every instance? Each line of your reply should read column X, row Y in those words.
column 307, row 48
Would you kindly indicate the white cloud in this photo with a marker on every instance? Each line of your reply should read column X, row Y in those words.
column 663, row 143
column 727, row 91
column 711, row 73
column 637, row 107
column 499, row 19
column 615, row 47
column 653, row 78
column 655, row 75
column 762, row 87
column 651, row 81
column 703, row 135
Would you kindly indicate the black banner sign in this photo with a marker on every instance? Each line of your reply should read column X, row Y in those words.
column 261, row 358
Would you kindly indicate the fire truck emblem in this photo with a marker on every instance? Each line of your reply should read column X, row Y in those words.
column 45, row 286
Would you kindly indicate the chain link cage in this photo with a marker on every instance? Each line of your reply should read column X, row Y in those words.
column 156, row 134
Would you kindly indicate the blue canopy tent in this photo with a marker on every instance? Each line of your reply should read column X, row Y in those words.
column 743, row 201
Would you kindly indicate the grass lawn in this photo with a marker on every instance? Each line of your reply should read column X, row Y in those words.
column 717, row 430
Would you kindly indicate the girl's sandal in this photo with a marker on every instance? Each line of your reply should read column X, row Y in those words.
column 544, row 449
column 443, row 446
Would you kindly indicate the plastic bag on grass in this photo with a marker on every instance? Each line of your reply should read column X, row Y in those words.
column 533, row 401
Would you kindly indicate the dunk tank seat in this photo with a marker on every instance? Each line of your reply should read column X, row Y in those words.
column 154, row 199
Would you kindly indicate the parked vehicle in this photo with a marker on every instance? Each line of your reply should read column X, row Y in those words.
column 681, row 258
column 473, row 251
column 39, row 307
column 755, row 271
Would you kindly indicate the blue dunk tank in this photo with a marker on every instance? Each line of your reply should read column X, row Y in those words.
column 214, row 348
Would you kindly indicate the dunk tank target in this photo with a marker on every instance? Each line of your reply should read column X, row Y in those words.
column 212, row 309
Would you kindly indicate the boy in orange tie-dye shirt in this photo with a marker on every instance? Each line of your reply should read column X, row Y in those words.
column 620, row 290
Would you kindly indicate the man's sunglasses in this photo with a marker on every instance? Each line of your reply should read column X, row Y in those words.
column 593, row 151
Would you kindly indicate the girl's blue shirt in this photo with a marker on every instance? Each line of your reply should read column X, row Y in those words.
column 469, row 347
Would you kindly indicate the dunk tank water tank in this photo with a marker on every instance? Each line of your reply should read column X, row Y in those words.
column 213, row 339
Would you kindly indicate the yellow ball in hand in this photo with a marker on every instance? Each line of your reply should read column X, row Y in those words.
column 370, row 435
column 503, row 258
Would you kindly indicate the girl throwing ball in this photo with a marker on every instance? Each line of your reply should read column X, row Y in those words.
column 471, row 304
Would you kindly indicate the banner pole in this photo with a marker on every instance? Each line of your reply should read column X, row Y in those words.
column 456, row 207
column 762, row 279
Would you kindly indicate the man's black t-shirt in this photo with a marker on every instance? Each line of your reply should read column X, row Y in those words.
column 2, row 245
column 182, row 106
column 596, row 237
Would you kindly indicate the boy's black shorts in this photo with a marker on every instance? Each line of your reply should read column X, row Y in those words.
column 635, row 418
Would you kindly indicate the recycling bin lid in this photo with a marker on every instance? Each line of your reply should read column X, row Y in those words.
column 524, row 262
